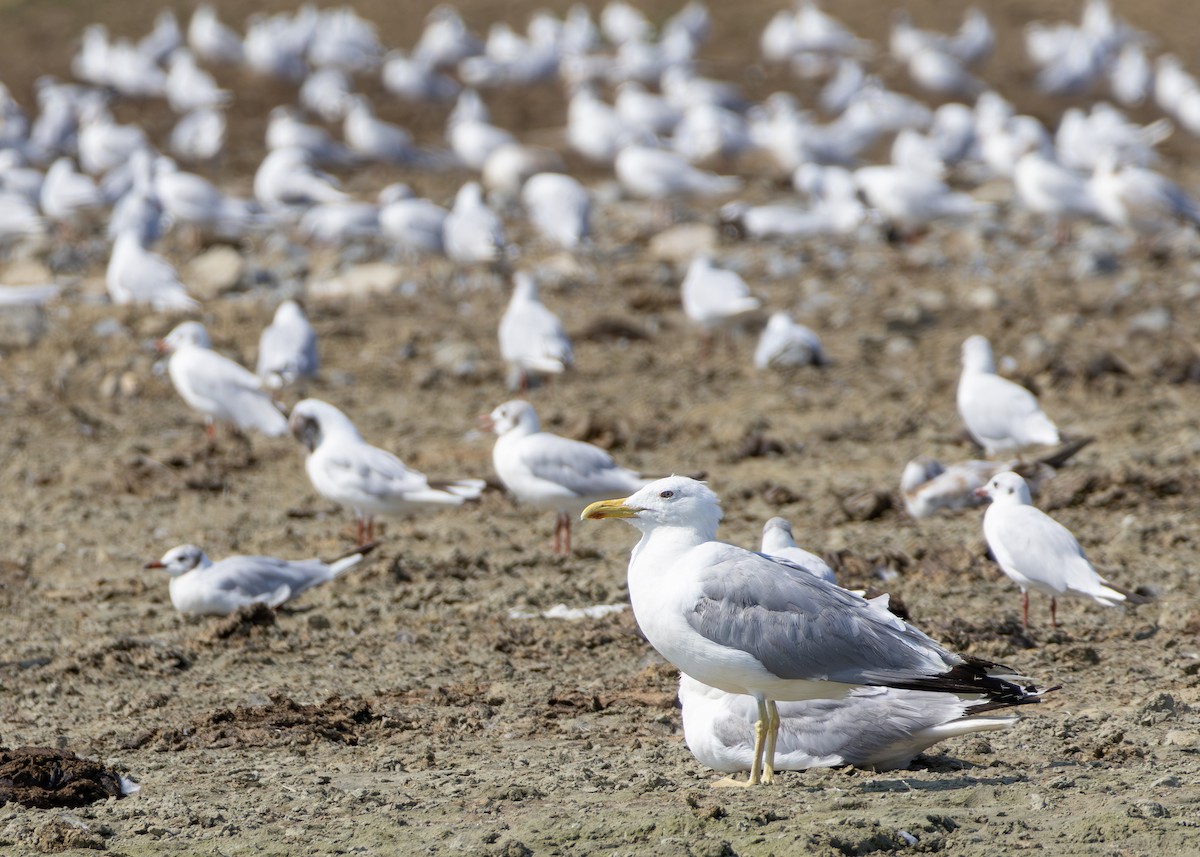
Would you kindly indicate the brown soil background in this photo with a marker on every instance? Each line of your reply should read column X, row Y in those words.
column 401, row 710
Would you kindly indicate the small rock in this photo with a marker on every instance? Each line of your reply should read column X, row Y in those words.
column 21, row 325
column 58, row 835
column 109, row 327
column 375, row 278
column 983, row 297
column 1151, row 321
column 459, row 359
column 680, row 244
column 131, row 384
column 27, row 272
column 214, row 273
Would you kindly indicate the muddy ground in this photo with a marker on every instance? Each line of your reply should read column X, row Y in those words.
column 403, row 710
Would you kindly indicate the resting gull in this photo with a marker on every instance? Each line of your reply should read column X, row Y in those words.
column 1000, row 415
column 744, row 623
column 532, row 340
column 201, row 586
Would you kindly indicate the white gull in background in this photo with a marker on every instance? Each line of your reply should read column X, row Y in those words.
column 743, row 623
column 213, row 41
column 929, row 486
column 470, row 132
column 372, row 139
column 410, row 223
column 785, row 344
column 137, row 275
column 1140, row 199
column 286, row 131
column 287, row 181
column 326, row 93
column 910, row 200
column 657, row 174
column 715, row 298
column 198, row 136
column 472, row 234
column 287, row 348
column 779, row 543
column 193, row 201
column 1039, row 553
column 65, row 192
column 200, row 586
column 552, row 472
column 416, row 80
column 349, row 471
column 1049, row 189
column 877, row 728
column 216, row 386
column 532, row 340
column 559, row 208
column 336, row 224
column 509, row 167
column 190, row 87
column 1000, row 415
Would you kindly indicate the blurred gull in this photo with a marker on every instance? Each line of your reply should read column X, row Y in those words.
column 416, row 80
column 287, row 349
column 595, row 129
column 876, row 728
column 929, row 486
column 372, row 139
column 785, row 343
column 1001, row 416
column 1131, row 77
column 190, row 87
column 445, row 41
column 708, row 132
column 643, row 111
column 656, row 174
column 346, row 469
column 200, row 586
column 163, row 40
column 65, row 193
column 1049, row 189
column 470, row 132
column 410, row 223
column 344, row 40
column 779, row 543
column 559, row 208
column 472, row 233
column 198, row 136
column 532, row 340
column 552, row 472
column 286, row 131
column 336, row 224
column 509, row 167
column 275, row 45
column 326, row 93
column 192, row 200
column 1039, row 553
column 139, row 210
column 1140, row 199
column 211, row 40
column 743, row 623
column 136, row 275
column 910, row 200
column 216, row 386
column 18, row 218
column 105, row 145
column 714, row 298
column 286, row 181
column 765, row 222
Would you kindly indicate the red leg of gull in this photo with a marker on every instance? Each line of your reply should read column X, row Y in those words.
column 210, row 429
column 370, row 530
column 1025, row 610
column 1053, row 612
column 555, row 545
column 359, row 531
column 567, row 533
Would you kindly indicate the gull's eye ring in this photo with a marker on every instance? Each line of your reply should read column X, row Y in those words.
column 667, row 495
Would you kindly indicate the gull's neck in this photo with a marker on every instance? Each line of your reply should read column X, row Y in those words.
column 657, row 551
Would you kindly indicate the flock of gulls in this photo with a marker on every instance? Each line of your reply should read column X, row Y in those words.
column 781, row 668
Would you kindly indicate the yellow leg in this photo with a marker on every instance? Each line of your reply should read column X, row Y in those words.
column 760, row 738
column 772, row 737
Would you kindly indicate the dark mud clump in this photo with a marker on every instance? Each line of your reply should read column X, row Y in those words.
column 41, row 778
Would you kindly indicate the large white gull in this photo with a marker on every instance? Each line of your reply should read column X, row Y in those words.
column 200, row 586
column 743, row 623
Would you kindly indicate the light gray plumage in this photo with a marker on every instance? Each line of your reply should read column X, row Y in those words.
column 287, row 349
column 779, row 543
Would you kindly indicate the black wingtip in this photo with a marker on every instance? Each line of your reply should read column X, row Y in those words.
column 976, row 676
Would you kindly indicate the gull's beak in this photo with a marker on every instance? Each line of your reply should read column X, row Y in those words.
column 486, row 423
column 156, row 564
column 609, row 509
column 161, row 347
column 981, row 492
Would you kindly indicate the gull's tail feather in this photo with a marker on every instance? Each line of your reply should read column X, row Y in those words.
column 1060, row 456
column 347, row 562
column 1120, row 595
column 996, row 683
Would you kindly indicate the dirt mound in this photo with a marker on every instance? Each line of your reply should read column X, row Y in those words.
column 43, row 778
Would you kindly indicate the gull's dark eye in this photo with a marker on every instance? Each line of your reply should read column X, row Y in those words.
column 667, row 495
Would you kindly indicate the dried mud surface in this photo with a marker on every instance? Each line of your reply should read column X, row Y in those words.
column 402, row 710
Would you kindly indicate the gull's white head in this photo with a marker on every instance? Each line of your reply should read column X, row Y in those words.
column 676, row 501
column 919, row 471
column 776, row 534
column 290, row 310
column 312, row 421
column 188, row 333
column 977, row 355
column 180, row 560
column 1007, row 489
column 517, row 414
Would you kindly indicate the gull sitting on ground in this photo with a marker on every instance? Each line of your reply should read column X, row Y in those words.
column 784, row 344
column 136, row 275
column 200, row 586
column 532, row 340
column 743, row 623
column 779, row 543
column 216, row 386
column 715, row 299
column 1001, row 416
column 552, row 472
column 1039, row 553
column 349, row 471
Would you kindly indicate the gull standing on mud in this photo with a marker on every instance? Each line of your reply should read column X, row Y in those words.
column 201, row 586
column 552, row 472
column 714, row 298
column 216, row 386
column 743, row 623
column 532, row 340
column 1039, row 553
column 137, row 275
column 349, row 471
column 1000, row 415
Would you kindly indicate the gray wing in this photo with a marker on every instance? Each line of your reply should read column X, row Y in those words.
column 258, row 576
column 581, row 468
column 800, row 627
column 377, row 472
